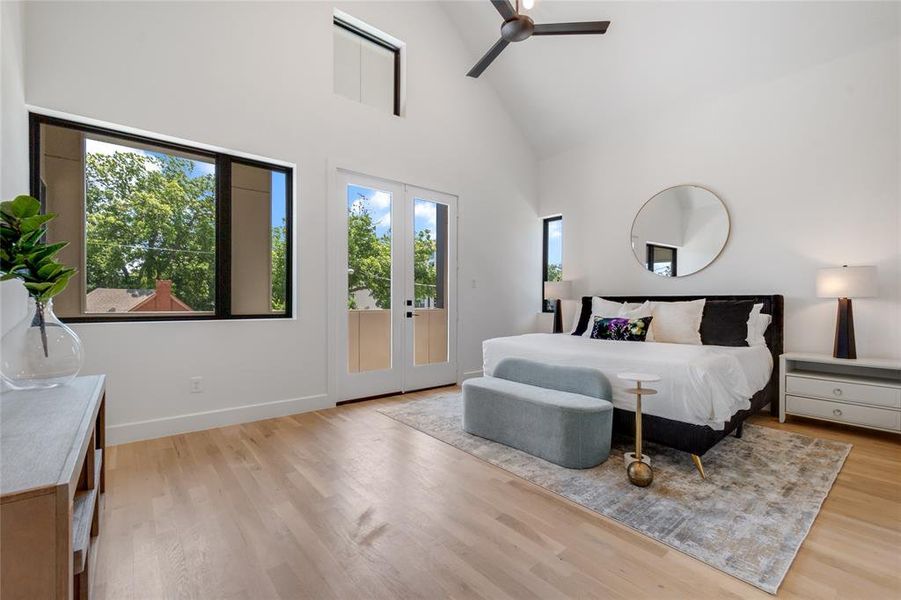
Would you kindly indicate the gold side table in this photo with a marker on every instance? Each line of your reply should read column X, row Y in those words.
column 638, row 465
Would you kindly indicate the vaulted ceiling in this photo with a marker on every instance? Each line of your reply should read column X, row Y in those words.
column 564, row 91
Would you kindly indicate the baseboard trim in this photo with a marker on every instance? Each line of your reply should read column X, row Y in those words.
column 471, row 374
column 157, row 428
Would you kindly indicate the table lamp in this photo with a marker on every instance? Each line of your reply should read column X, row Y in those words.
column 846, row 283
column 557, row 291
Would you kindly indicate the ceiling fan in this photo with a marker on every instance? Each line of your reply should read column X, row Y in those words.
column 518, row 27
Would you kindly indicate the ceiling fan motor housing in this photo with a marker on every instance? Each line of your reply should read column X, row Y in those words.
column 517, row 29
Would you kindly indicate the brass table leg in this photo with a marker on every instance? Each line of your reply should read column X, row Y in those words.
column 640, row 473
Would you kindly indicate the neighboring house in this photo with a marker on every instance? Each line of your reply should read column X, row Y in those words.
column 119, row 300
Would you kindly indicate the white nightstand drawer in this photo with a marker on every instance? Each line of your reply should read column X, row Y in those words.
column 843, row 391
column 845, row 413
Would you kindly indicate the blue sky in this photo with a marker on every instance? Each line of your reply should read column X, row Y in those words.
column 555, row 242
column 278, row 198
column 378, row 203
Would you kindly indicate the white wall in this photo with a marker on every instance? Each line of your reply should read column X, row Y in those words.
column 257, row 77
column 808, row 167
column 13, row 139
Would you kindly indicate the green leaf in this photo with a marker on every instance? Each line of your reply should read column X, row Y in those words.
column 23, row 207
column 47, row 251
column 37, row 287
column 31, row 238
column 56, row 288
column 35, row 222
column 48, row 270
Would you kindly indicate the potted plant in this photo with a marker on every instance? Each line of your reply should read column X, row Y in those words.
column 40, row 351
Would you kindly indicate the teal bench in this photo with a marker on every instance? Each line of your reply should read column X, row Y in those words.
column 557, row 413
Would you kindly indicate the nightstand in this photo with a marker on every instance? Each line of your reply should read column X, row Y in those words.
column 865, row 392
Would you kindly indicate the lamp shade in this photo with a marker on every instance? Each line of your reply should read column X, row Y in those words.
column 847, row 282
column 558, row 290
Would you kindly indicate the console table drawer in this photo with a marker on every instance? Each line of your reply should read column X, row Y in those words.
column 844, row 413
column 844, row 391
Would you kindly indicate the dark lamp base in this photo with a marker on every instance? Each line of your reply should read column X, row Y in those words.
column 844, row 331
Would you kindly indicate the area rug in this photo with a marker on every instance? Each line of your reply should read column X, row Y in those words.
column 747, row 519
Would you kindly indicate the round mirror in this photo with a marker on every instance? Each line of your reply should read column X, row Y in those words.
column 680, row 231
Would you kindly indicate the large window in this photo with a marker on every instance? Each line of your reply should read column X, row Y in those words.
column 366, row 66
column 160, row 230
column 552, row 257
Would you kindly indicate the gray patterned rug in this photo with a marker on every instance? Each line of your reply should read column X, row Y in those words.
column 747, row 519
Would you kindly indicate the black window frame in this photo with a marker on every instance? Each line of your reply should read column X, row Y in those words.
column 384, row 44
column 223, row 162
column 544, row 259
column 649, row 249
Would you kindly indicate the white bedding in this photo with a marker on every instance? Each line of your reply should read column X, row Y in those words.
column 704, row 385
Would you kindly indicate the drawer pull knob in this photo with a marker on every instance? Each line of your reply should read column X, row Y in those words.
column 837, row 391
column 837, row 412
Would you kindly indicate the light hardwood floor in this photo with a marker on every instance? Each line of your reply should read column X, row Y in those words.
column 347, row 503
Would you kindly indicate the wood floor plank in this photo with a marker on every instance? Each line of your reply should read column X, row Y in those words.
column 347, row 503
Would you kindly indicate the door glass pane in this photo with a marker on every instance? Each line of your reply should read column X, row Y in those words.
column 368, row 279
column 429, row 282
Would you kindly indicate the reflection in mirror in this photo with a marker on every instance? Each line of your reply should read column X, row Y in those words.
column 680, row 231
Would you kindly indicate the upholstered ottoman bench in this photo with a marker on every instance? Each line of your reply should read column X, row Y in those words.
column 553, row 412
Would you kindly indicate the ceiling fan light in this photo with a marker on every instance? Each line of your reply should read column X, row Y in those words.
column 528, row 4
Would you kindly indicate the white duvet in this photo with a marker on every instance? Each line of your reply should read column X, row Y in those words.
column 704, row 385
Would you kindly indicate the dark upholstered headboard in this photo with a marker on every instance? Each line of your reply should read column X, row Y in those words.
column 772, row 305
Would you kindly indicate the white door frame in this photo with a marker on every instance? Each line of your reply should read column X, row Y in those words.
column 336, row 246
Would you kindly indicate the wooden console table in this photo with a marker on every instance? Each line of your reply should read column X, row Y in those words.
column 51, row 478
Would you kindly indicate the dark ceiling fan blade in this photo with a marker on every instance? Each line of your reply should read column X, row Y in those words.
column 585, row 27
column 488, row 58
column 505, row 8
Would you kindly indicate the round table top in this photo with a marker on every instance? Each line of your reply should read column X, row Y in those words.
column 638, row 376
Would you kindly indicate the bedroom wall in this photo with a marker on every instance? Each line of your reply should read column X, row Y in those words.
column 808, row 167
column 13, row 139
column 257, row 78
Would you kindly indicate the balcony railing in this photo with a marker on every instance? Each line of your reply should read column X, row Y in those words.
column 369, row 338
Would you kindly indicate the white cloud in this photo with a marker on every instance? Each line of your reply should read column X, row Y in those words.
column 426, row 211
column 380, row 200
column 98, row 147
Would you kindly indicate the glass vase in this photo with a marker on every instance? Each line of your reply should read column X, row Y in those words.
column 40, row 351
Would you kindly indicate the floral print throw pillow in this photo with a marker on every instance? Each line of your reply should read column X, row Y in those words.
column 620, row 329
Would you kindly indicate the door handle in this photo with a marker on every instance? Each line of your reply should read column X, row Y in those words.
column 411, row 314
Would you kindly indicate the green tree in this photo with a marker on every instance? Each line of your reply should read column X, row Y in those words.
column 369, row 260
column 368, row 257
column 279, row 251
column 149, row 218
column 425, row 274
column 554, row 272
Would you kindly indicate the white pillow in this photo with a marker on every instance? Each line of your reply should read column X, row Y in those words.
column 677, row 322
column 601, row 306
column 607, row 309
column 757, row 324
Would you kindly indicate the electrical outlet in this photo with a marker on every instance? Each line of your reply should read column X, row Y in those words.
column 196, row 385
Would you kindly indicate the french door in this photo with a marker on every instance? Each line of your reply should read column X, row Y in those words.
column 397, row 287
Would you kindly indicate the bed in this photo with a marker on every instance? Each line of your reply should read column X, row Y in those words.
column 706, row 392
